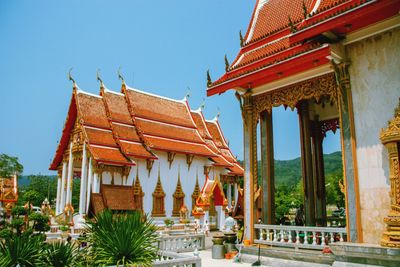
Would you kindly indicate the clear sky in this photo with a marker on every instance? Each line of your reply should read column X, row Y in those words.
column 162, row 47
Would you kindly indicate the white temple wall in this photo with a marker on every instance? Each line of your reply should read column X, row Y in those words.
column 169, row 178
column 106, row 178
column 375, row 81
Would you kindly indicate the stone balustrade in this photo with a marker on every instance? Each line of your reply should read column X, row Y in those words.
column 168, row 258
column 298, row 236
column 182, row 243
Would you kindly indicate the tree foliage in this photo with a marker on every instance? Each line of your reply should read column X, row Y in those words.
column 9, row 165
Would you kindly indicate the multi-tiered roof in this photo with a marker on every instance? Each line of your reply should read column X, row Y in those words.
column 120, row 128
column 286, row 37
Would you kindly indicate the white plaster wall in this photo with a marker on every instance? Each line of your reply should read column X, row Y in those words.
column 169, row 178
column 375, row 80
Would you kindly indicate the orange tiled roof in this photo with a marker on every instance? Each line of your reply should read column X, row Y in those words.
column 275, row 48
column 273, row 16
column 121, row 127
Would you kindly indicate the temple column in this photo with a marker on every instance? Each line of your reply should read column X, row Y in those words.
column 267, row 169
column 349, row 152
column 250, row 163
column 235, row 193
column 95, row 182
column 82, row 194
column 58, row 194
column 63, row 187
column 306, row 160
column 70, row 176
column 89, row 181
column 229, row 193
column 318, row 172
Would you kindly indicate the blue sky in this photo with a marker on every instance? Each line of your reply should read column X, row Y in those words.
column 162, row 47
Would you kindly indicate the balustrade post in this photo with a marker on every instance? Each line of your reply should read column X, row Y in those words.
column 297, row 237
column 290, row 237
column 275, row 237
column 314, row 238
column 341, row 237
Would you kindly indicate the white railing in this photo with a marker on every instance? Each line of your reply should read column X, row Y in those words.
column 167, row 258
column 298, row 236
column 182, row 243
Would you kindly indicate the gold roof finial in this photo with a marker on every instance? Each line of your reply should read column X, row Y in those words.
column 120, row 76
column 203, row 104
column 99, row 78
column 70, row 77
column 241, row 39
column 187, row 93
column 226, row 63
column 209, row 81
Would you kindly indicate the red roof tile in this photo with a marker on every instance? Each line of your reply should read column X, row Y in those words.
column 179, row 146
column 273, row 15
column 91, row 110
column 158, row 108
column 100, row 137
column 108, row 155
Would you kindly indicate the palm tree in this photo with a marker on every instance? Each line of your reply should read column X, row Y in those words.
column 61, row 254
column 123, row 239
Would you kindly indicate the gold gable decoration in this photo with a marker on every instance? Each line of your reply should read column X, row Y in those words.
column 179, row 197
column 138, row 192
column 158, row 198
column 390, row 137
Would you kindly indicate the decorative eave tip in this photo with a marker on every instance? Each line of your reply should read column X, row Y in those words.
column 98, row 78
column 227, row 65
column 209, row 81
column 121, row 77
column 241, row 38
column 187, row 96
column 74, row 86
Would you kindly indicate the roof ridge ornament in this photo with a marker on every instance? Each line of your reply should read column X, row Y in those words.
column 187, row 96
column 203, row 104
column 120, row 76
column 209, row 81
column 99, row 79
column 70, row 77
column 241, row 38
column 226, row 63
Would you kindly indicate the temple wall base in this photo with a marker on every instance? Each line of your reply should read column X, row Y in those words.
column 375, row 83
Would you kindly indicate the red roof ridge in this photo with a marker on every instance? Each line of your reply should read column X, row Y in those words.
column 106, row 90
column 252, row 25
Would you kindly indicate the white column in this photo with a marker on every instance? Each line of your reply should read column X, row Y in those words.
column 235, row 194
column 89, row 181
column 63, row 188
column 221, row 217
column 58, row 199
column 95, row 182
column 82, row 193
column 229, row 193
column 70, row 176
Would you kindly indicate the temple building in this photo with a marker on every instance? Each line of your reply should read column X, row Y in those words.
column 337, row 63
column 138, row 151
column 8, row 193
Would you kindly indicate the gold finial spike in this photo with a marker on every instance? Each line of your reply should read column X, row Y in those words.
column 218, row 114
column 226, row 63
column 209, row 81
column 99, row 78
column 120, row 76
column 187, row 93
column 241, row 39
column 203, row 104
column 70, row 77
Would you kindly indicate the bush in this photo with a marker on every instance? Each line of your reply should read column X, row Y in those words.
column 61, row 254
column 126, row 239
column 40, row 222
column 18, row 211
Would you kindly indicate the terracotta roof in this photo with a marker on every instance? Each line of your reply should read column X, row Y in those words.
column 214, row 129
column 273, row 16
column 159, row 108
column 121, row 127
column 275, row 49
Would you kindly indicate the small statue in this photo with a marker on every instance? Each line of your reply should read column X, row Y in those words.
column 183, row 213
column 46, row 209
column 230, row 223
